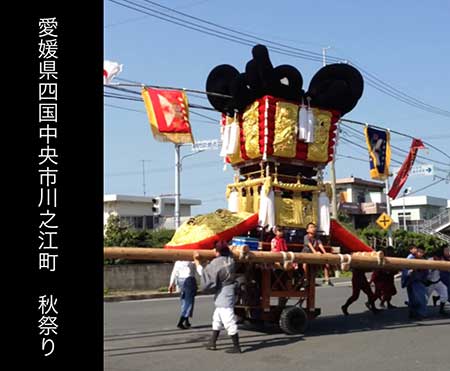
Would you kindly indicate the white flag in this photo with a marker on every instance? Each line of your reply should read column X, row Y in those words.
column 110, row 70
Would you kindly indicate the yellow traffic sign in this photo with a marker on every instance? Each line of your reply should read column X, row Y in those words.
column 384, row 221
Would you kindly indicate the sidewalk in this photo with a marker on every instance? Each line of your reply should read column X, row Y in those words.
column 123, row 295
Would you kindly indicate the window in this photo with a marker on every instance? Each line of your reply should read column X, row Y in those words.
column 149, row 222
column 360, row 197
column 406, row 215
column 138, row 222
column 135, row 222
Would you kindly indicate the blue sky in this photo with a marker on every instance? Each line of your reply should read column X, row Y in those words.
column 404, row 43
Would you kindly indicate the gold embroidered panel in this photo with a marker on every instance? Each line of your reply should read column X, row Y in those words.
column 250, row 124
column 318, row 151
column 285, row 136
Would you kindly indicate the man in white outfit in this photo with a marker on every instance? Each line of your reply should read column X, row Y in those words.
column 219, row 275
column 183, row 278
column 436, row 285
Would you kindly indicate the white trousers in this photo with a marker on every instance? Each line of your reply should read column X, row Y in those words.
column 225, row 318
column 441, row 290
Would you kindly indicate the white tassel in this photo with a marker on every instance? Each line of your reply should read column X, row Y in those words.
column 233, row 202
column 324, row 213
column 311, row 123
column 234, row 139
column 262, row 212
column 271, row 209
column 225, row 140
column 302, row 122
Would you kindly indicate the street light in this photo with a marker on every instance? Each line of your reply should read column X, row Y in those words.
column 407, row 191
column 178, row 161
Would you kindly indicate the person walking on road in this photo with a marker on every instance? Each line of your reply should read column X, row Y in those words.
column 183, row 281
column 414, row 281
column 219, row 276
column 360, row 283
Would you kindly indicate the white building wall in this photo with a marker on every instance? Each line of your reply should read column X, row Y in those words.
column 169, row 210
column 377, row 197
column 133, row 208
column 350, row 195
column 415, row 213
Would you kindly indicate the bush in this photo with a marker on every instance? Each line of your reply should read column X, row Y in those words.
column 402, row 240
column 119, row 235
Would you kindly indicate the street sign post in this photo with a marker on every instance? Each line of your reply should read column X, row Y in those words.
column 384, row 221
column 419, row 170
column 205, row 145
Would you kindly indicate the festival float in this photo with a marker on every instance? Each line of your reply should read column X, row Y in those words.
column 278, row 138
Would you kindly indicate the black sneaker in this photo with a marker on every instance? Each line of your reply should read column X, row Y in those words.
column 435, row 300
column 344, row 310
column 372, row 308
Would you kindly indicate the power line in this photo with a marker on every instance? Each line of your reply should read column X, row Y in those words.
column 124, row 108
column 372, row 80
column 364, row 148
column 167, row 169
column 142, row 85
column 210, row 31
column 124, row 97
column 351, row 157
column 196, row 106
column 426, row 187
column 135, row 99
column 212, row 120
column 307, row 52
column 209, row 121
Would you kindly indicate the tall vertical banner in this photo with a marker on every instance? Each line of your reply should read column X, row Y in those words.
column 168, row 114
column 378, row 145
column 403, row 173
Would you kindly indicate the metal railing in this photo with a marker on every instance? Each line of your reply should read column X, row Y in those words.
column 438, row 221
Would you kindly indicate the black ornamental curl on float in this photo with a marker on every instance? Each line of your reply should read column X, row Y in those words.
column 335, row 86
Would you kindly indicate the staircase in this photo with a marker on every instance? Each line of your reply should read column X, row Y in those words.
column 435, row 225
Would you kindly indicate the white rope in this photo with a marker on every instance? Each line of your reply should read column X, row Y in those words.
column 341, row 260
column 345, row 261
column 287, row 261
column 379, row 260
column 349, row 259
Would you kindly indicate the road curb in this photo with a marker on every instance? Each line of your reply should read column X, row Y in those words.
column 143, row 296
column 175, row 295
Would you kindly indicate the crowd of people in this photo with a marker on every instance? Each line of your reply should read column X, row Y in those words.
column 218, row 277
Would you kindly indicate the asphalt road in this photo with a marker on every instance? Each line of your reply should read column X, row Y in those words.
column 141, row 335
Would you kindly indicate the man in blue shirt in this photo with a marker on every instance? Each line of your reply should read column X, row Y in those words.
column 414, row 281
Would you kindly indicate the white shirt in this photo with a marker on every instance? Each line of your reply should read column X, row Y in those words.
column 181, row 269
column 434, row 274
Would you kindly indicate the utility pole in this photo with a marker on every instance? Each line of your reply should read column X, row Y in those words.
column 405, row 193
column 334, row 211
column 143, row 175
column 177, row 185
column 388, row 208
column 201, row 147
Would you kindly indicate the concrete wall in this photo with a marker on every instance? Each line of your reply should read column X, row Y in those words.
column 137, row 276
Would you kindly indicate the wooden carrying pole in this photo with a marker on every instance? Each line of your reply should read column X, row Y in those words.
column 363, row 260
